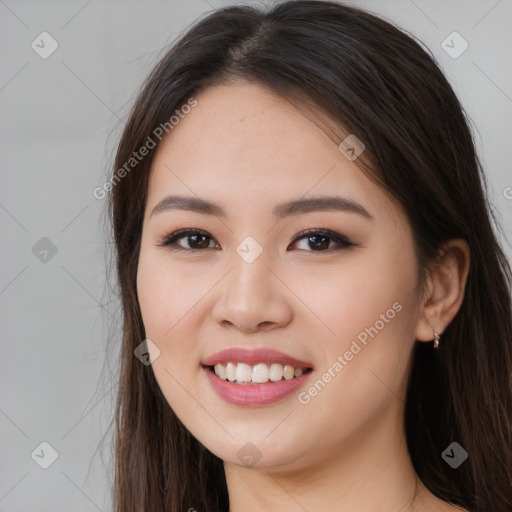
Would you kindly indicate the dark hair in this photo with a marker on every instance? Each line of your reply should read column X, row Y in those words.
column 372, row 80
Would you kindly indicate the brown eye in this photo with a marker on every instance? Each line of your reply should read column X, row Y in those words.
column 195, row 239
column 198, row 241
column 319, row 240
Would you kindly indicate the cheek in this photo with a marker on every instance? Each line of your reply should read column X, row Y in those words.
column 348, row 298
column 368, row 315
column 167, row 299
column 366, row 311
column 166, row 295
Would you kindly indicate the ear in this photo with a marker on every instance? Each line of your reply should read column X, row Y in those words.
column 446, row 284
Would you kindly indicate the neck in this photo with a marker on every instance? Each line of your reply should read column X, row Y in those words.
column 371, row 471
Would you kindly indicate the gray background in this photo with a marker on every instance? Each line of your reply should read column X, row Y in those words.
column 60, row 120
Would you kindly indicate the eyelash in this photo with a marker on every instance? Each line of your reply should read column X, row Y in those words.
column 170, row 240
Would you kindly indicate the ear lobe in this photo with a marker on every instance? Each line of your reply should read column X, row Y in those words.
column 446, row 284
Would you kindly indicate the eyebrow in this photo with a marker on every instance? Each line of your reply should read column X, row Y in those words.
column 296, row 207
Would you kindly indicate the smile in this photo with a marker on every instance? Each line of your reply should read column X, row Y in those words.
column 245, row 374
column 254, row 377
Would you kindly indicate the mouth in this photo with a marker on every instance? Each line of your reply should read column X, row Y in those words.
column 257, row 377
column 244, row 374
column 253, row 394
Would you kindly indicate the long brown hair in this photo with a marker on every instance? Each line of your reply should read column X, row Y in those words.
column 381, row 85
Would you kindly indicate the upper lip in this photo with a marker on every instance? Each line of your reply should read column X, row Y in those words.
column 255, row 356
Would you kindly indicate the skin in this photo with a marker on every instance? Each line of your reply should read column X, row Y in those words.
column 247, row 149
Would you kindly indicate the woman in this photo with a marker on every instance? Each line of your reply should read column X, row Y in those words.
column 311, row 285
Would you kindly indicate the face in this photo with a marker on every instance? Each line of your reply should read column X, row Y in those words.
column 332, row 289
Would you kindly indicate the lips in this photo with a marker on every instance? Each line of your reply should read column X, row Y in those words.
column 255, row 356
column 246, row 389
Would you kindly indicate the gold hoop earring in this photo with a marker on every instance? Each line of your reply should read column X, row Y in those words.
column 437, row 336
column 436, row 340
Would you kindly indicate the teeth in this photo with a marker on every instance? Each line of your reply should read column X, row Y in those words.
column 288, row 372
column 260, row 373
column 276, row 372
column 220, row 370
column 230, row 371
column 242, row 373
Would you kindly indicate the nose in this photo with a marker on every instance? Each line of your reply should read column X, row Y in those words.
column 253, row 298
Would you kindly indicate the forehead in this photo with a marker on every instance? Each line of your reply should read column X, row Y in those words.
column 244, row 145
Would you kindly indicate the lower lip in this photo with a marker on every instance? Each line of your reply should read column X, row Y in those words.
column 254, row 395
